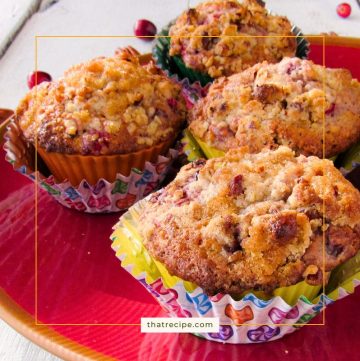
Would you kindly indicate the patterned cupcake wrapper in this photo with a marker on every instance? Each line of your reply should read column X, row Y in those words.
column 105, row 196
column 174, row 65
column 248, row 320
column 194, row 148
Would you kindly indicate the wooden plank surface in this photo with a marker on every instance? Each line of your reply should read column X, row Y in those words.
column 116, row 17
column 13, row 14
column 14, row 347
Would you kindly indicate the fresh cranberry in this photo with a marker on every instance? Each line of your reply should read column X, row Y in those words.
column 343, row 10
column 145, row 29
column 37, row 77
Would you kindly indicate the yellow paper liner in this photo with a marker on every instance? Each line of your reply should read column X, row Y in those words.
column 128, row 243
column 289, row 307
column 195, row 148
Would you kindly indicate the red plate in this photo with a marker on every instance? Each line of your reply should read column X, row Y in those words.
column 79, row 281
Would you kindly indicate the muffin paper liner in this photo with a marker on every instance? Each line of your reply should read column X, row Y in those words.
column 195, row 148
column 174, row 65
column 351, row 158
column 102, row 197
column 190, row 147
column 353, row 175
column 248, row 320
column 76, row 167
column 348, row 162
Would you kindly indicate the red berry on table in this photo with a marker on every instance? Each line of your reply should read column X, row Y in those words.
column 145, row 29
column 37, row 77
column 343, row 10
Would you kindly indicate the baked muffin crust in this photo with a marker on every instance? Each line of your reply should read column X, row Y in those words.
column 253, row 221
column 223, row 53
column 281, row 104
column 109, row 105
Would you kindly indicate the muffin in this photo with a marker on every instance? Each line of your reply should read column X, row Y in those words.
column 253, row 221
column 220, row 38
column 249, row 239
column 103, row 117
column 295, row 103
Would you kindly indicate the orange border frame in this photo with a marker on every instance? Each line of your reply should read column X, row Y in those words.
column 317, row 37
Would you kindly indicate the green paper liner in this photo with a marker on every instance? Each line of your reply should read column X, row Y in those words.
column 173, row 65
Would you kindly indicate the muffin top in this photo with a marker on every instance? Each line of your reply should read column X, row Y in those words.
column 213, row 47
column 253, row 221
column 108, row 105
column 281, row 104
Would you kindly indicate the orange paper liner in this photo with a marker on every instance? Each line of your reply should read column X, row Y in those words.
column 102, row 195
column 75, row 168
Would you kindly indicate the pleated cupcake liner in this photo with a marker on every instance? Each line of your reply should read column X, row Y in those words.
column 349, row 163
column 353, row 175
column 175, row 66
column 103, row 196
column 194, row 148
column 250, row 319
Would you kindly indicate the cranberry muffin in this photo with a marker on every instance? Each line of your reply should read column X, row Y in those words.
column 253, row 221
column 221, row 37
column 103, row 117
column 296, row 103
column 107, row 105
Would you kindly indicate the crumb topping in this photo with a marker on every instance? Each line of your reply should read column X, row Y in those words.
column 253, row 221
column 281, row 104
column 107, row 105
column 223, row 38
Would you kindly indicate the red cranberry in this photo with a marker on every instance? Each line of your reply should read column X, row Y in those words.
column 145, row 29
column 37, row 77
column 236, row 186
column 343, row 10
column 290, row 68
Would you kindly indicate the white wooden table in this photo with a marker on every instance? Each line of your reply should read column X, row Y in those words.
column 21, row 20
